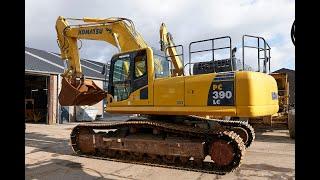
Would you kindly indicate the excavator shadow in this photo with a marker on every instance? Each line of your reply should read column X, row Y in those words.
column 58, row 169
column 273, row 134
column 42, row 142
column 253, row 171
column 64, row 169
column 55, row 168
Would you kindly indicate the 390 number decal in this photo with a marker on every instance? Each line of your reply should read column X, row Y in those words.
column 219, row 95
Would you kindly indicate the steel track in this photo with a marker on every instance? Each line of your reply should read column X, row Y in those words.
column 229, row 124
column 210, row 134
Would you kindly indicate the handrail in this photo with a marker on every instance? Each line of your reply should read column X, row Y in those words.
column 212, row 49
column 266, row 48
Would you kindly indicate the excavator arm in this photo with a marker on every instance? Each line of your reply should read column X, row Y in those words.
column 119, row 32
column 167, row 46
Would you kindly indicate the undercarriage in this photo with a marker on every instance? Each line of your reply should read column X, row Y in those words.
column 195, row 143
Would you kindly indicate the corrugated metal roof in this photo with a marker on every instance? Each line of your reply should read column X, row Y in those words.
column 48, row 62
column 35, row 64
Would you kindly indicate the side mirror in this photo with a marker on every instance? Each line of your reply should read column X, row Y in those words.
column 233, row 51
column 293, row 38
column 103, row 70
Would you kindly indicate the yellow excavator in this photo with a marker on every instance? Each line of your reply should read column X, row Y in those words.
column 172, row 131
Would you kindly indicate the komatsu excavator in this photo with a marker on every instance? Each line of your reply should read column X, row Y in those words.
column 172, row 132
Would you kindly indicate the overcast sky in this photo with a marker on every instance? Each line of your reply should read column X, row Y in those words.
column 187, row 20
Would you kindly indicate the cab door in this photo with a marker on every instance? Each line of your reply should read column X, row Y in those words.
column 119, row 80
column 140, row 86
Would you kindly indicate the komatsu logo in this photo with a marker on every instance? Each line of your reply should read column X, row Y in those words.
column 91, row 31
column 274, row 96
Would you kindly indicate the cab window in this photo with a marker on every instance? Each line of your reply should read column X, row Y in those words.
column 161, row 66
column 121, row 77
column 121, row 69
column 140, row 65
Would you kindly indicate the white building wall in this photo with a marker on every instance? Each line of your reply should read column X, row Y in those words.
column 99, row 105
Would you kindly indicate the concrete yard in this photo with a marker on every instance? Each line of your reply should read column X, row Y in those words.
column 48, row 155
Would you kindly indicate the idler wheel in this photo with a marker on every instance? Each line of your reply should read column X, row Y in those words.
column 242, row 133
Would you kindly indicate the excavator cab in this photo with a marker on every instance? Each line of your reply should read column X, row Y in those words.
column 128, row 72
column 132, row 74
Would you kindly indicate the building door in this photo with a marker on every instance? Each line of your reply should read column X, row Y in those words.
column 36, row 98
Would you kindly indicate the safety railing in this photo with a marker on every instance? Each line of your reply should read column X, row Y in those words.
column 212, row 49
column 264, row 47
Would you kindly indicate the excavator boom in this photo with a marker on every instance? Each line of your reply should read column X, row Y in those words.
column 119, row 32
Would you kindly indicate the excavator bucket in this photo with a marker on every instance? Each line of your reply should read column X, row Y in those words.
column 87, row 93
